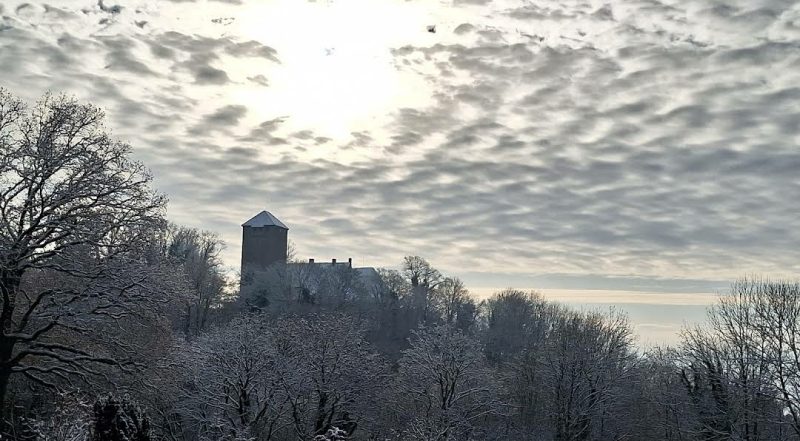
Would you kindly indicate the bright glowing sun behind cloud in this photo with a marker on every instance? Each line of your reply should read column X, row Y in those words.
column 336, row 73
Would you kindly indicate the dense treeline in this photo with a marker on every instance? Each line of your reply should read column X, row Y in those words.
column 116, row 325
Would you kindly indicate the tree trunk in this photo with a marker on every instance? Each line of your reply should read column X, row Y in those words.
column 9, row 286
column 319, row 425
column 187, row 327
column 5, row 376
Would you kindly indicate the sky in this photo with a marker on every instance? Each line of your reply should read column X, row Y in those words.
column 640, row 153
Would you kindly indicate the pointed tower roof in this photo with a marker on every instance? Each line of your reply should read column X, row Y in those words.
column 265, row 219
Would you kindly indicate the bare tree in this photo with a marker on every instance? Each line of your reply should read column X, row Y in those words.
column 420, row 273
column 392, row 316
column 773, row 315
column 234, row 390
column 197, row 254
column 665, row 410
column 445, row 388
column 741, row 370
column 586, row 366
column 70, row 420
column 328, row 373
column 424, row 279
column 270, row 289
column 517, row 328
column 333, row 287
column 455, row 304
column 75, row 214
column 516, row 321
column 392, row 288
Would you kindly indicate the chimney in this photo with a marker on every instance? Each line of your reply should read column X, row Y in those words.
column 333, row 261
column 311, row 260
column 350, row 261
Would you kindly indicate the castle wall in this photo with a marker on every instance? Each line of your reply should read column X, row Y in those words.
column 262, row 247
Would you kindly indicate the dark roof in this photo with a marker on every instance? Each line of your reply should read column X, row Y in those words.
column 265, row 219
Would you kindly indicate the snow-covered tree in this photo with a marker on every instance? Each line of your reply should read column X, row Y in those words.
column 455, row 305
column 234, row 389
column 76, row 215
column 445, row 389
column 118, row 420
column 515, row 322
column 740, row 370
column 197, row 254
column 517, row 328
column 69, row 420
column 333, row 434
column 587, row 368
column 329, row 373
column 291, row 378
column 424, row 279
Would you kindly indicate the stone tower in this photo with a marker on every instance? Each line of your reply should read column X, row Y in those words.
column 263, row 243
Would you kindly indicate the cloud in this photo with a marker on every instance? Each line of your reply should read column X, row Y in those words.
column 252, row 49
column 199, row 45
column 221, row 120
column 230, row 2
column 265, row 132
column 111, row 9
column 205, row 52
column 464, row 28
column 203, row 73
column 562, row 145
column 23, row 8
column 260, row 80
column 120, row 56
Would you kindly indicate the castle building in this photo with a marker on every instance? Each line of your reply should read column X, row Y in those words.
column 264, row 242
column 265, row 247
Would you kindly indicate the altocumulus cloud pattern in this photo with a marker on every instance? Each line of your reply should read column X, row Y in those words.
column 647, row 138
